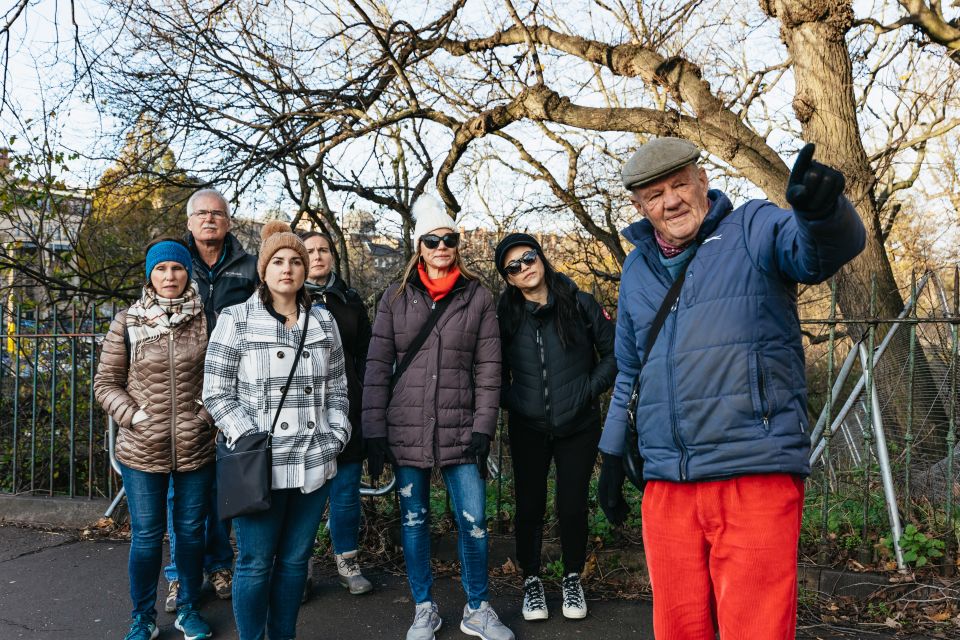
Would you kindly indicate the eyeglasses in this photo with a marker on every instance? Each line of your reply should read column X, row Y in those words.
column 514, row 266
column 432, row 240
column 216, row 214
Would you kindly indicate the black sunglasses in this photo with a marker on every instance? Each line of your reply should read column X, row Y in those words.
column 432, row 240
column 514, row 266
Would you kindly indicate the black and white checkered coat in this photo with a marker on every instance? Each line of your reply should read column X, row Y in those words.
column 248, row 361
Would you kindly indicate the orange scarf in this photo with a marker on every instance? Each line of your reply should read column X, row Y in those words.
column 441, row 286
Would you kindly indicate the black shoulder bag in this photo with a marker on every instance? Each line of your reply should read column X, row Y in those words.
column 438, row 308
column 632, row 460
column 244, row 473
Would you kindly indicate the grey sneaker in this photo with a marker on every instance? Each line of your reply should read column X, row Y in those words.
column 484, row 623
column 534, row 600
column 170, row 604
column 426, row 622
column 350, row 575
column 574, row 602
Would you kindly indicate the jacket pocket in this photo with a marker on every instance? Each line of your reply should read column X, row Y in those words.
column 760, row 390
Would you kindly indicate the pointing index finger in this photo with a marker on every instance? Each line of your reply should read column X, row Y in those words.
column 804, row 158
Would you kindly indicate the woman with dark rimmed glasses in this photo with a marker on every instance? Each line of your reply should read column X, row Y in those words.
column 441, row 411
column 557, row 360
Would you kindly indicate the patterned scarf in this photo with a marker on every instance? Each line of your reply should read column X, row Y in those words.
column 152, row 317
column 669, row 250
column 320, row 289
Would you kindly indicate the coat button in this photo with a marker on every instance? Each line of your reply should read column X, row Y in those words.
column 308, row 389
column 310, row 425
column 305, row 355
column 280, row 355
column 284, row 426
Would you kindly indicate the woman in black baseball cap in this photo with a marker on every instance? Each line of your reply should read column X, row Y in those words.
column 557, row 361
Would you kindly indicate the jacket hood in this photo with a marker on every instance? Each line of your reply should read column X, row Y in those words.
column 640, row 233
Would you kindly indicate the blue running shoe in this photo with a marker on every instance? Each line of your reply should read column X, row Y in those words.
column 193, row 626
column 142, row 628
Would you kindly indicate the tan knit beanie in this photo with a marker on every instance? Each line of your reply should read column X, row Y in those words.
column 277, row 235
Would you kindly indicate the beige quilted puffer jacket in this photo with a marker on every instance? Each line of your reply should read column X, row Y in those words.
column 156, row 400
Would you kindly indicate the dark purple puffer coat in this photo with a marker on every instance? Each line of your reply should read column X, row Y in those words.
column 452, row 386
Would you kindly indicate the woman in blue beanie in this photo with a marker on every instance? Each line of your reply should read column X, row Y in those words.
column 150, row 381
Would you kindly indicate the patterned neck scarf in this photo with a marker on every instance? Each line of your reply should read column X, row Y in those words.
column 152, row 317
column 313, row 287
column 669, row 250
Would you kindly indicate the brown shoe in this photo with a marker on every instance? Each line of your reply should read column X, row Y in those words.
column 170, row 604
column 222, row 581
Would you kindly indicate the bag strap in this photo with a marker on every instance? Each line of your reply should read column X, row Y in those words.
column 437, row 311
column 293, row 368
column 665, row 307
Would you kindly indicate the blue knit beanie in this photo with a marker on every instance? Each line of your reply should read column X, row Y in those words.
column 169, row 250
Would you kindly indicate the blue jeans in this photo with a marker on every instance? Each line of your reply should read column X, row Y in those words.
column 273, row 550
column 468, row 494
column 345, row 507
column 146, row 501
column 217, row 552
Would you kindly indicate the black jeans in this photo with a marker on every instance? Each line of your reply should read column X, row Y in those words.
column 574, row 457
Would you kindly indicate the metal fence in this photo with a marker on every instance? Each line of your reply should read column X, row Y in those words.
column 883, row 392
column 52, row 431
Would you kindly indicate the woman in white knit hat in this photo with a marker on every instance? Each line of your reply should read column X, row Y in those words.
column 248, row 363
column 430, row 398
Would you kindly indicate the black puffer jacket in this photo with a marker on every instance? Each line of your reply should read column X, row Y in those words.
column 354, row 324
column 231, row 281
column 547, row 387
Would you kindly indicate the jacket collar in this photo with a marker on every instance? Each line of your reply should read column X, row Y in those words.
column 232, row 251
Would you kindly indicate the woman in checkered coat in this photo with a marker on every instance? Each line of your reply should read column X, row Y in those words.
column 247, row 365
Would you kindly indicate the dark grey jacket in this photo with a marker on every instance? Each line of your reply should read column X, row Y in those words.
column 452, row 386
column 229, row 282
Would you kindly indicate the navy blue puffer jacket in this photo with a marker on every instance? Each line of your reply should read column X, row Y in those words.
column 723, row 393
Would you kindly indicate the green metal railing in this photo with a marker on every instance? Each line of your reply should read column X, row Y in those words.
column 51, row 428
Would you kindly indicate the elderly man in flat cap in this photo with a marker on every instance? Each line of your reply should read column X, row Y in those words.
column 718, row 381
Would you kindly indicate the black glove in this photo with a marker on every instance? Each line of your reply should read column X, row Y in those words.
column 378, row 453
column 813, row 188
column 610, row 489
column 479, row 448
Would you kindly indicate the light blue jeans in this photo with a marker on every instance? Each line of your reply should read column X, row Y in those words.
column 273, row 551
column 345, row 507
column 468, row 495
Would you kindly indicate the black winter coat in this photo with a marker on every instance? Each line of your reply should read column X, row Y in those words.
column 348, row 310
column 231, row 281
column 547, row 387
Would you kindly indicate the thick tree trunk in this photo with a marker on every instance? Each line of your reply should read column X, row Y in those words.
column 814, row 32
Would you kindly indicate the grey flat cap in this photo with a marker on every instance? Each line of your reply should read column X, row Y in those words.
column 656, row 159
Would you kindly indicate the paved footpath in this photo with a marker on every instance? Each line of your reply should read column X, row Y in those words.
column 55, row 586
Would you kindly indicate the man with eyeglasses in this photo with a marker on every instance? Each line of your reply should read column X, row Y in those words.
column 721, row 397
column 226, row 275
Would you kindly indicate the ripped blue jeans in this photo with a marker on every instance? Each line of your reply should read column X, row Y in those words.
column 468, row 498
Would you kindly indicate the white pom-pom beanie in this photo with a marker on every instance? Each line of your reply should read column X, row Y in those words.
column 430, row 214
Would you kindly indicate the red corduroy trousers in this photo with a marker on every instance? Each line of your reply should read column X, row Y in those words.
column 722, row 556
